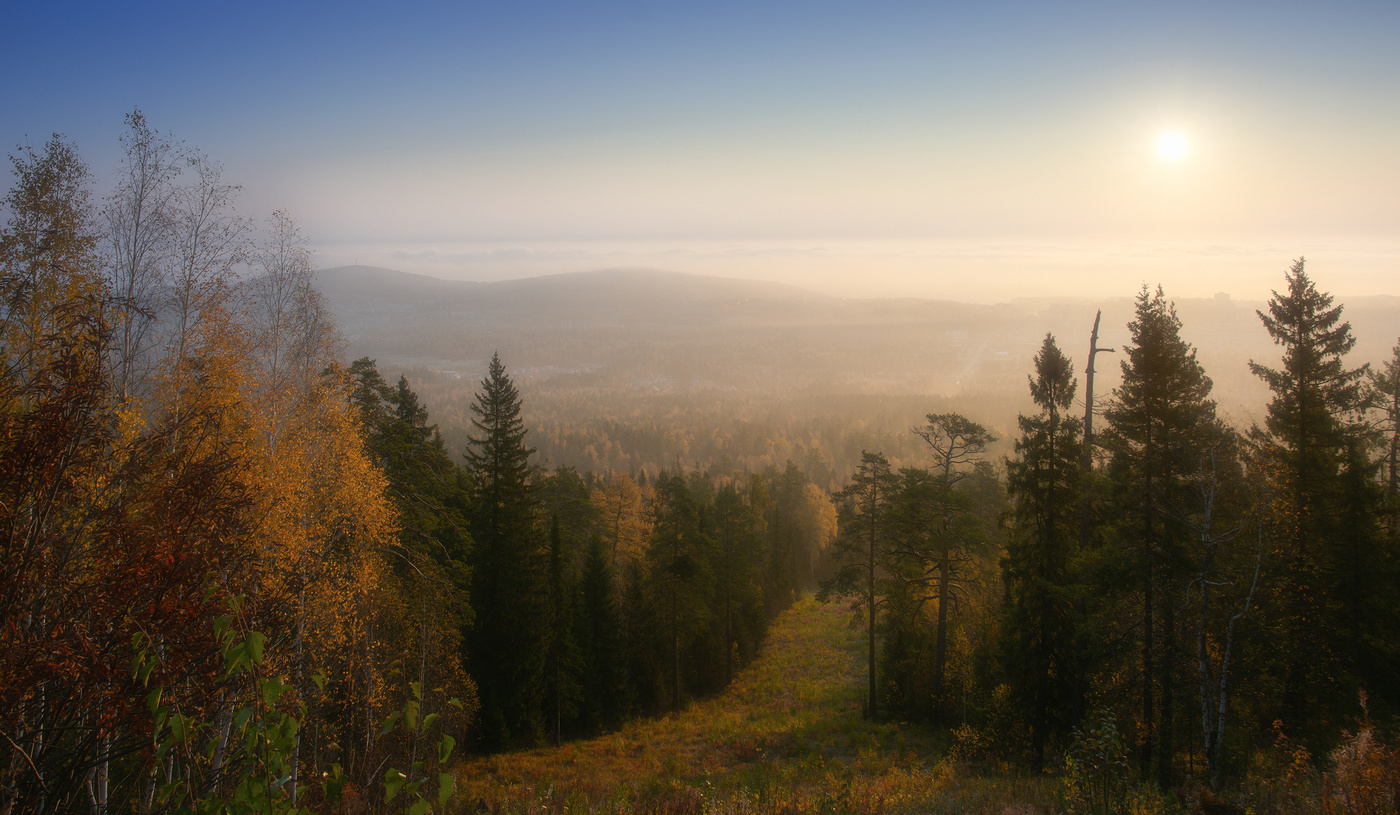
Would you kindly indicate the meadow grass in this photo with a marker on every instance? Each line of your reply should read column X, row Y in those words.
column 787, row 738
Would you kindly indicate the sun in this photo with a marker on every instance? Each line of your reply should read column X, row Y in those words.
column 1171, row 146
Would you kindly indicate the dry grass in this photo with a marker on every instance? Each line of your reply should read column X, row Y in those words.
column 786, row 739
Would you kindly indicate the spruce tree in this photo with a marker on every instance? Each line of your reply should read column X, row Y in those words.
column 599, row 626
column 1314, row 447
column 562, row 664
column 737, row 565
column 679, row 574
column 1043, row 481
column 510, row 638
column 1154, row 422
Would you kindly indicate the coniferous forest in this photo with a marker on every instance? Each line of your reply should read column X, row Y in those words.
column 241, row 572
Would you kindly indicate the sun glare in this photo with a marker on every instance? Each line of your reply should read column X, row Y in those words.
column 1171, row 146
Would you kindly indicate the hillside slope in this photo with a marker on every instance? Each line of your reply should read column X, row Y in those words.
column 787, row 736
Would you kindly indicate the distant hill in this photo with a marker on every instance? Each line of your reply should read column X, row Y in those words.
column 611, row 297
column 650, row 330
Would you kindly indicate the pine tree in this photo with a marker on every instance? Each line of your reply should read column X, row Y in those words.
column 861, row 549
column 509, row 640
column 1043, row 481
column 1154, row 423
column 951, row 529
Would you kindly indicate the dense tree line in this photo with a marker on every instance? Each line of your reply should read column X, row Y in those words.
column 602, row 597
column 1201, row 580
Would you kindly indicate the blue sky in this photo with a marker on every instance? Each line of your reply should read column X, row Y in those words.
column 888, row 148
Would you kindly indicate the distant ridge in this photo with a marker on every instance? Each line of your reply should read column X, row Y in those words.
column 629, row 325
column 616, row 296
column 630, row 284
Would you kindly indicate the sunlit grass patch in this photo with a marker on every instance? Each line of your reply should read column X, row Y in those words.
column 787, row 738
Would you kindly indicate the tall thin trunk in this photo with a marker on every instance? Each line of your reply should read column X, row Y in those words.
column 301, row 696
column 1165, row 729
column 872, row 711
column 1085, row 516
column 728, row 610
column 676, row 650
column 223, row 723
column 940, row 651
column 103, row 774
column 1145, row 756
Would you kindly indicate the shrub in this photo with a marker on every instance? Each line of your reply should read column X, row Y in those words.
column 1096, row 769
column 1365, row 776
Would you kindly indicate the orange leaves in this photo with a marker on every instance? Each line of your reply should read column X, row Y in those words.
column 626, row 521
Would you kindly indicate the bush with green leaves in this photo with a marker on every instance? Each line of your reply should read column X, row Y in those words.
column 242, row 762
column 1096, row 769
column 412, row 781
column 231, row 766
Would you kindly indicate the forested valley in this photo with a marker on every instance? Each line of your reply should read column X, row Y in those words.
column 244, row 571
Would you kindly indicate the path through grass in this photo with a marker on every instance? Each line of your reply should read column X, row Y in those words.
column 786, row 739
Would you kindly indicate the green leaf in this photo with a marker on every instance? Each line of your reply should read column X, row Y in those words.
column 273, row 688
column 320, row 680
column 143, row 673
column 390, row 722
column 457, row 703
column 445, row 745
column 410, row 714
column 153, row 700
column 417, row 688
column 255, row 642
column 428, row 721
column 446, row 786
column 334, row 785
column 240, row 719
column 179, row 726
column 235, row 659
column 420, row 807
column 393, row 782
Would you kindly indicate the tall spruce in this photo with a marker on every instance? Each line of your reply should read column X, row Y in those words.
column 563, row 660
column 1154, row 428
column 1043, row 481
column 737, row 567
column 1385, row 397
column 680, row 579
column 510, row 638
column 599, row 626
column 1313, row 443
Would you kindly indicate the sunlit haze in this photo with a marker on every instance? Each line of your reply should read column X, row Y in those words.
column 933, row 150
column 1172, row 146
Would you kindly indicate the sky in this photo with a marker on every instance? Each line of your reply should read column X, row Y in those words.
column 980, row 152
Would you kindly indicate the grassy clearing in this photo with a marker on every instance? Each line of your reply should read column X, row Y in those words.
column 786, row 739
